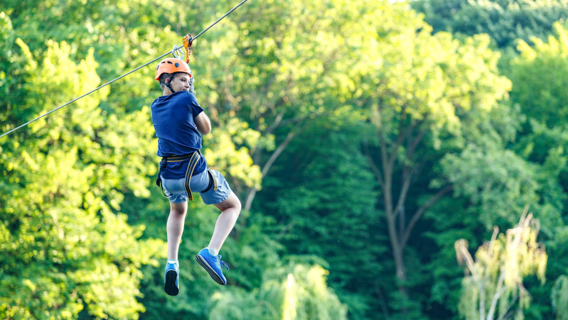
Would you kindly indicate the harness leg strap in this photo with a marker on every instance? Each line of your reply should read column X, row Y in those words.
column 190, row 167
column 212, row 182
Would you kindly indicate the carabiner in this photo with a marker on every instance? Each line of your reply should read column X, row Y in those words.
column 187, row 43
column 177, row 52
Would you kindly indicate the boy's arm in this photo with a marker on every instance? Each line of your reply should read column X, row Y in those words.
column 203, row 124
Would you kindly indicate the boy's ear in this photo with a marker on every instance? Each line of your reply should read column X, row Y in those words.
column 167, row 80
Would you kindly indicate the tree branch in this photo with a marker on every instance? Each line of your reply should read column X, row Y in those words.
column 406, row 178
column 276, row 122
column 285, row 229
column 469, row 262
column 277, row 153
column 481, row 289
column 267, row 166
column 382, row 301
column 383, row 142
column 273, row 106
column 500, row 290
column 410, row 150
column 376, row 170
column 387, row 170
column 421, row 211
column 250, row 198
column 400, row 138
column 506, row 310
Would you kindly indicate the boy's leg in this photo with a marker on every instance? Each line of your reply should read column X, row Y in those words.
column 231, row 208
column 209, row 257
column 175, row 225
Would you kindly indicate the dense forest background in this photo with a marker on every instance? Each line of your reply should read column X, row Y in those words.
column 403, row 160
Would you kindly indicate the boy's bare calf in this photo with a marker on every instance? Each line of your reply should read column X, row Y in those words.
column 231, row 208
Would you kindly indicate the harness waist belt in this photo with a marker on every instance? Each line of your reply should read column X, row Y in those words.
column 193, row 159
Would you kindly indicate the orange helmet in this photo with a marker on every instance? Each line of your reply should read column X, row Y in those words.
column 172, row 65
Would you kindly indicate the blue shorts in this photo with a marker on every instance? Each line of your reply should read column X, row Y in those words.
column 175, row 188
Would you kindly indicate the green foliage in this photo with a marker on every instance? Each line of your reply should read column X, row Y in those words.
column 230, row 151
column 317, row 81
column 65, row 246
column 299, row 294
column 413, row 73
column 322, row 214
column 559, row 297
column 543, row 142
column 504, row 20
column 543, row 99
column 493, row 178
column 97, row 156
column 425, row 94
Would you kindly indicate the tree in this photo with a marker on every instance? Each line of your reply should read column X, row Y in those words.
column 496, row 280
column 504, row 20
column 543, row 142
column 425, row 86
column 273, row 74
column 323, row 196
column 545, row 102
column 66, row 248
column 299, row 294
column 519, row 160
column 108, row 142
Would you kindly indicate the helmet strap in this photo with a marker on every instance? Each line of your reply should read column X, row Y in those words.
column 169, row 84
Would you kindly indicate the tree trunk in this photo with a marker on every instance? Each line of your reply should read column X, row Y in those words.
column 395, row 238
column 396, row 245
column 399, row 230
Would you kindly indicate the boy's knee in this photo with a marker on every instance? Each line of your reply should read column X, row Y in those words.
column 177, row 212
column 238, row 205
column 178, row 208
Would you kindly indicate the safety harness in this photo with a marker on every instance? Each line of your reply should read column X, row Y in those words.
column 193, row 159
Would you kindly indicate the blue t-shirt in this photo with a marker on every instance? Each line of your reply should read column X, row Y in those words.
column 177, row 133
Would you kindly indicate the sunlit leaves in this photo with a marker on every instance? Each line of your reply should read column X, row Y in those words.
column 494, row 280
column 69, row 249
column 293, row 293
column 229, row 152
column 542, row 97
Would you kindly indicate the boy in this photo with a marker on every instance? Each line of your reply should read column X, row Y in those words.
column 179, row 122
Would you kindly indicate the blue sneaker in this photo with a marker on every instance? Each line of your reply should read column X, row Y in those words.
column 212, row 264
column 171, row 279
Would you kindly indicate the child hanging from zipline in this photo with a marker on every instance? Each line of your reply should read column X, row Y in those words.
column 179, row 122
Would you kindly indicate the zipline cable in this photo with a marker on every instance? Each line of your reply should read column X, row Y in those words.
column 86, row 94
column 124, row 75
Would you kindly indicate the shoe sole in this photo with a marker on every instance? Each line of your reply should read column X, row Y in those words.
column 209, row 270
column 170, row 286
